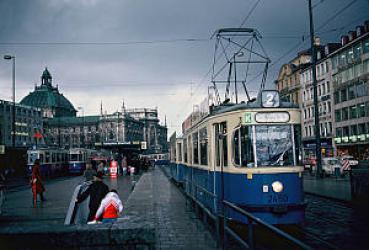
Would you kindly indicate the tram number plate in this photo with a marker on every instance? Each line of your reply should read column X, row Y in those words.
column 277, row 198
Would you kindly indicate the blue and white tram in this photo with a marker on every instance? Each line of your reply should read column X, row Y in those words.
column 246, row 154
column 77, row 158
column 52, row 161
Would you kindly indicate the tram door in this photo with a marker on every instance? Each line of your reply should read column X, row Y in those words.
column 220, row 159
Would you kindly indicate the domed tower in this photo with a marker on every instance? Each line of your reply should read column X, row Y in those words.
column 49, row 99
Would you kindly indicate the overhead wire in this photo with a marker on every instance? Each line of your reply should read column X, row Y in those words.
column 107, row 43
column 341, row 10
column 210, row 69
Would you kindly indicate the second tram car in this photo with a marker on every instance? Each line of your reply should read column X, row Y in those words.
column 52, row 161
column 246, row 154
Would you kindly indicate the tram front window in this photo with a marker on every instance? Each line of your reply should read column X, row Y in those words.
column 274, row 145
column 74, row 157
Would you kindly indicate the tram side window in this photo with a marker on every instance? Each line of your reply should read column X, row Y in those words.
column 195, row 143
column 221, row 143
column 179, row 150
column 298, row 146
column 41, row 158
column 223, row 128
column 185, row 150
column 189, row 150
column 243, row 153
column 53, row 157
column 203, row 146
column 47, row 157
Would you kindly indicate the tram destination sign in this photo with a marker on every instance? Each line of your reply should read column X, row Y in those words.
column 272, row 117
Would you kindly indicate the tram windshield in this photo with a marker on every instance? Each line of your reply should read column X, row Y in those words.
column 75, row 157
column 264, row 145
column 274, row 145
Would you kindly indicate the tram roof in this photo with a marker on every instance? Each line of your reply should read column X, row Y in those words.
column 249, row 105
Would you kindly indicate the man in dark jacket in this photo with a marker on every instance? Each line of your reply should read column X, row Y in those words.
column 97, row 191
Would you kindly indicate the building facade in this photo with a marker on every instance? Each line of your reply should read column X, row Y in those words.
column 325, row 104
column 28, row 121
column 350, row 76
column 288, row 82
column 92, row 131
column 154, row 134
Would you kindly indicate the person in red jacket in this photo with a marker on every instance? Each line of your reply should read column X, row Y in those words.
column 111, row 206
column 36, row 182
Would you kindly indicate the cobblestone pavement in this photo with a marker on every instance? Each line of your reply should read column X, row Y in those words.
column 156, row 199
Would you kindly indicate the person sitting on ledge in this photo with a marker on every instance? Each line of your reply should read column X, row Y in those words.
column 111, row 206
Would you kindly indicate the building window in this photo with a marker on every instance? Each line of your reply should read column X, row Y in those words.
column 366, row 46
column 336, row 97
column 361, row 110
column 361, row 128
column 353, row 112
column 343, row 95
column 353, row 130
column 345, row 114
column 352, row 92
column 203, row 146
column 338, row 132
column 345, row 131
column 334, row 62
column 306, row 131
column 362, row 89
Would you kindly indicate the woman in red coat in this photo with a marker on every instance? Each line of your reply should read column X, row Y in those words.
column 36, row 182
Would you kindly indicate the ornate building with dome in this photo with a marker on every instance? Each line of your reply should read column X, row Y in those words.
column 49, row 99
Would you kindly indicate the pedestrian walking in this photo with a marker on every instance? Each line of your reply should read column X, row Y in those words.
column 100, row 167
column 97, row 191
column 89, row 172
column 110, row 208
column 36, row 182
column 124, row 165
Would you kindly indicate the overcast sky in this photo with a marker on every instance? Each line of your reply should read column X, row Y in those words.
column 138, row 51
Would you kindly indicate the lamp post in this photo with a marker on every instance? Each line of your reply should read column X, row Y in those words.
column 9, row 57
column 83, row 124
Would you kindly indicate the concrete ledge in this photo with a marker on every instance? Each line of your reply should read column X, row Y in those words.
column 134, row 230
column 78, row 236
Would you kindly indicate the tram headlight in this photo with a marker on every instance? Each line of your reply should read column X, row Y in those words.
column 277, row 186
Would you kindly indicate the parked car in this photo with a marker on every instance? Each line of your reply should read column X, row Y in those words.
column 329, row 166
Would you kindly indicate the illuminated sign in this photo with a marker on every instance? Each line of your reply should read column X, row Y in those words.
column 2, row 149
column 248, row 118
column 272, row 117
column 270, row 99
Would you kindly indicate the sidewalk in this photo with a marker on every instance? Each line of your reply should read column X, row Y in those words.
column 331, row 187
column 158, row 202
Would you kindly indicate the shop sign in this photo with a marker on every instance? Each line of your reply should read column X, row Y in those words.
column 353, row 138
column 361, row 137
column 338, row 140
column 143, row 145
column 345, row 139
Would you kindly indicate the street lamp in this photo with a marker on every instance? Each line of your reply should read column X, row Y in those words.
column 9, row 57
column 83, row 124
